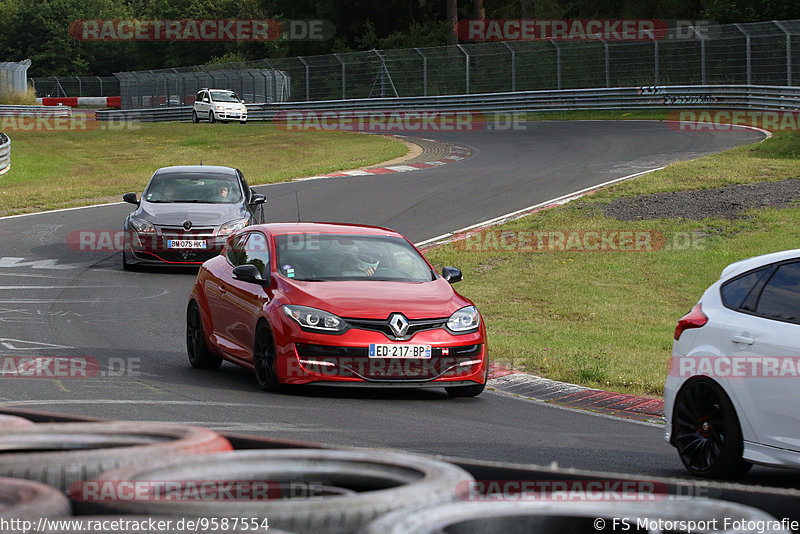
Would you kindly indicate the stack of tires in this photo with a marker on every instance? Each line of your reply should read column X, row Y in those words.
column 126, row 477
column 54, row 470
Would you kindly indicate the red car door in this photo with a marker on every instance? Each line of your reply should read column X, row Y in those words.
column 244, row 300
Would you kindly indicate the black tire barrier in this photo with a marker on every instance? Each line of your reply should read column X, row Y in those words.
column 25, row 500
column 307, row 490
column 525, row 517
column 60, row 454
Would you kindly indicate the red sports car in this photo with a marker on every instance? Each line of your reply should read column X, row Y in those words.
column 335, row 304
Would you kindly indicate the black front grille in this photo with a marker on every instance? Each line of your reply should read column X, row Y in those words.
column 355, row 362
column 193, row 256
column 178, row 232
column 382, row 325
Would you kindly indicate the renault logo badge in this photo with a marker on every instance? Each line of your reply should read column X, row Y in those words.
column 187, row 225
column 399, row 324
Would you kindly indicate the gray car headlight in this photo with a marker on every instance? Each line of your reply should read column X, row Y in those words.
column 315, row 319
column 142, row 226
column 232, row 226
column 464, row 320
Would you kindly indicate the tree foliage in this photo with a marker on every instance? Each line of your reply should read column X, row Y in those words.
column 40, row 30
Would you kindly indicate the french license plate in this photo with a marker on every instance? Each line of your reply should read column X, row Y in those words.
column 186, row 243
column 377, row 350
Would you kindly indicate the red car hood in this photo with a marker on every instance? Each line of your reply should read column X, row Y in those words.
column 376, row 300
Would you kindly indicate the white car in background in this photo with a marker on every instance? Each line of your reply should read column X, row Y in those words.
column 731, row 396
column 218, row 105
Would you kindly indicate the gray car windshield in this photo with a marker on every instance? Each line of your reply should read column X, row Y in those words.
column 223, row 96
column 194, row 187
column 336, row 257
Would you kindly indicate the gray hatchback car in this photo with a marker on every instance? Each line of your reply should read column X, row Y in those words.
column 186, row 213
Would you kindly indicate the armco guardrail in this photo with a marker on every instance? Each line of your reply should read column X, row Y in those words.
column 753, row 97
column 5, row 153
column 36, row 111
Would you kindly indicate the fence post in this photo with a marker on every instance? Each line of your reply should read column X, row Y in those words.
column 656, row 62
column 466, row 67
column 702, row 55
column 558, row 61
column 513, row 66
column 80, row 86
column 424, row 72
column 788, row 51
column 344, row 74
column 607, row 61
column 747, row 51
column 274, row 75
column 308, row 74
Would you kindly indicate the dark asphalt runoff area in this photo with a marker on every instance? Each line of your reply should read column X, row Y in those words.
column 56, row 301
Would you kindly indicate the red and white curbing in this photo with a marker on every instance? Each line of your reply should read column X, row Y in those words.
column 457, row 153
column 83, row 101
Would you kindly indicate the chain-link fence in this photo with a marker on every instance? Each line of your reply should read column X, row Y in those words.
column 178, row 87
column 764, row 53
column 72, row 86
column 14, row 77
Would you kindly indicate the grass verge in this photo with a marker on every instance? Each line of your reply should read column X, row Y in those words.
column 606, row 319
column 56, row 169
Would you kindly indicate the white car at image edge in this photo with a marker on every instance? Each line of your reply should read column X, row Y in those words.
column 731, row 395
column 218, row 105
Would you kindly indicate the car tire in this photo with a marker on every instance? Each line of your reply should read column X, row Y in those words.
column 706, row 431
column 25, row 500
column 469, row 391
column 200, row 356
column 264, row 358
column 313, row 490
column 523, row 513
column 211, row 118
column 125, row 265
column 195, row 118
column 60, row 454
column 12, row 421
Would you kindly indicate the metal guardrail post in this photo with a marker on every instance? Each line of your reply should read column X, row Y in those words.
column 344, row 77
column 513, row 66
column 424, row 72
column 308, row 77
column 466, row 68
column 788, row 51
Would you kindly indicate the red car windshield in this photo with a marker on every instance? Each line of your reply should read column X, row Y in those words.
column 336, row 257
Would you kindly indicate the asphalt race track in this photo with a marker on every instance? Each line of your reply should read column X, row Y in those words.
column 56, row 301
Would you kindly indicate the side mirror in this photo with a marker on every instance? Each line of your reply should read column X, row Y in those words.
column 248, row 273
column 257, row 199
column 451, row 274
column 130, row 197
